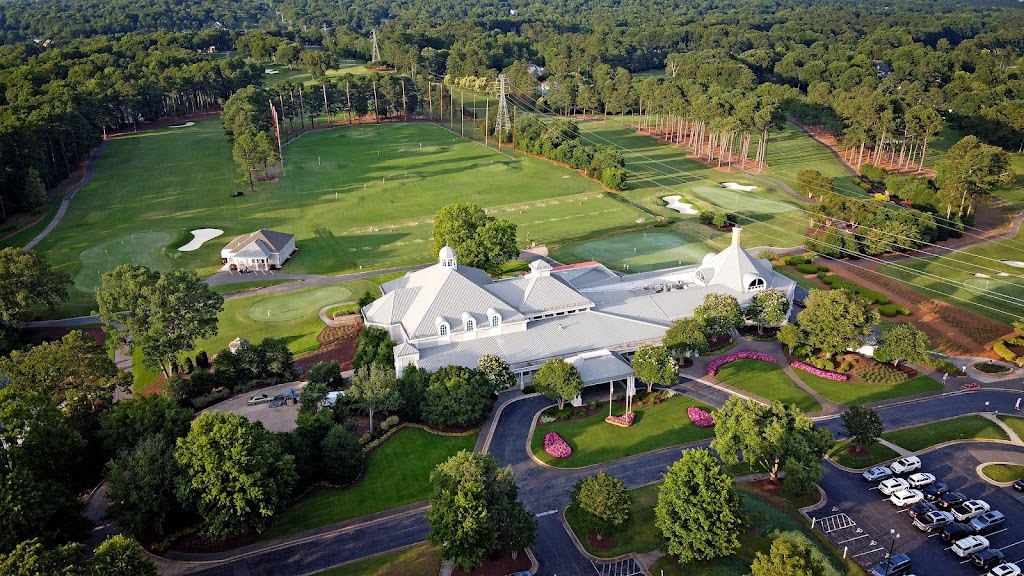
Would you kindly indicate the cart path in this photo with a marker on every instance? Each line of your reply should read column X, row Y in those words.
column 86, row 179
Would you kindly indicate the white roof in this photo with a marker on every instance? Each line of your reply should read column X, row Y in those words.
column 256, row 249
column 600, row 367
column 538, row 294
column 734, row 267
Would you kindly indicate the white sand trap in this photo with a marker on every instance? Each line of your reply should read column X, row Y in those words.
column 1003, row 274
column 269, row 71
column 185, row 125
column 681, row 207
column 199, row 237
column 740, row 187
column 1014, row 263
column 980, row 275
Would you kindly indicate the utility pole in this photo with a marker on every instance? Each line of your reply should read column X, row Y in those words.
column 502, row 124
column 327, row 109
column 376, row 49
column 462, row 105
column 888, row 557
column 348, row 99
column 376, row 110
column 405, row 104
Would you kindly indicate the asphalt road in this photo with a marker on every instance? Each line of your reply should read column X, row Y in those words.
column 859, row 517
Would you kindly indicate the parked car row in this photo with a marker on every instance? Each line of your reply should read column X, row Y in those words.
column 935, row 506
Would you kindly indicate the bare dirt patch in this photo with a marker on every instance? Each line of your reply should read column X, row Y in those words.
column 337, row 344
column 499, row 564
column 36, row 336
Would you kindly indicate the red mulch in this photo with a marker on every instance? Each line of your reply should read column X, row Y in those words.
column 499, row 564
column 604, row 543
column 719, row 341
column 205, row 544
column 337, row 344
column 37, row 336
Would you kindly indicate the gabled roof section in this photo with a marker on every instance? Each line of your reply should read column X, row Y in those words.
column 273, row 241
column 255, row 249
column 538, row 294
column 732, row 266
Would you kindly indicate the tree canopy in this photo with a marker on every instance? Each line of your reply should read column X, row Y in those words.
column 653, row 365
column 836, row 320
column 863, row 425
column 558, row 380
column 686, row 335
column 479, row 240
column 902, row 341
column 28, row 280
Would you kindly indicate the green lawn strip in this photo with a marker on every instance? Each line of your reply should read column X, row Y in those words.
column 767, row 381
column 396, row 474
column 25, row 235
column 640, row 535
column 854, row 392
column 1016, row 423
column 1003, row 472
column 799, row 278
column 961, row 428
column 641, row 251
column 293, row 316
column 245, row 286
column 418, row 560
column 875, row 453
column 594, row 441
column 792, row 150
column 142, row 376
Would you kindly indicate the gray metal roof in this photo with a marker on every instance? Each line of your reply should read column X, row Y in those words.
column 601, row 367
column 256, row 249
column 274, row 241
column 538, row 294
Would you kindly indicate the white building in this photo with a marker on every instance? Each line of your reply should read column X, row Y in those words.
column 585, row 313
column 260, row 250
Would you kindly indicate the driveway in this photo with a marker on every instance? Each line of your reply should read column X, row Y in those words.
column 859, row 518
column 281, row 419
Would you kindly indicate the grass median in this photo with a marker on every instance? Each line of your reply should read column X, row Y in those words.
column 853, row 392
column 1003, row 472
column 396, row 474
column 971, row 427
column 766, row 380
column 594, row 441
column 869, row 456
column 419, row 560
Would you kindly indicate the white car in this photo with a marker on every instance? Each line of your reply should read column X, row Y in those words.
column 920, row 479
column 904, row 465
column 967, row 546
column 907, row 497
column 332, row 398
column 932, row 520
column 893, row 485
column 1007, row 569
column 970, row 509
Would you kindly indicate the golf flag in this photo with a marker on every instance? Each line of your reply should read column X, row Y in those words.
column 277, row 131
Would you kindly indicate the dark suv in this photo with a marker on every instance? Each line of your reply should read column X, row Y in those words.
column 896, row 566
column 950, row 499
column 934, row 491
column 954, row 532
column 987, row 558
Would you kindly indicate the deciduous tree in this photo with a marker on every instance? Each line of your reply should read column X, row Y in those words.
column 558, row 380
column 72, row 367
column 456, row 396
column 720, row 314
column 790, row 336
column 28, row 280
column 790, row 557
column 768, row 308
column 122, row 556
column 698, row 509
column 902, row 341
column 653, row 365
column 836, row 320
column 686, row 335
column 479, row 240
column 604, row 499
column 863, row 425
column 497, row 372
column 141, row 480
column 373, row 390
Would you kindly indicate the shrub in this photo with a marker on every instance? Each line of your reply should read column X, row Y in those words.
column 200, row 402
column 547, row 419
column 365, row 438
column 614, row 178
column 389, row 422
column 202, row 360
column 943, row 365
column 767, row 255
column 714, row 365
column 700, row 417
column 880, row 374
column 819, row 372
column 889, row 310
column 555, row 446
column 806, row 268
column 999, row 347
column 795, row 260
column 989, row 367
column 821, row 275
column 881, row 197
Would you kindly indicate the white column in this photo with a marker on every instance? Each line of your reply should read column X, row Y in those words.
column 577, row 401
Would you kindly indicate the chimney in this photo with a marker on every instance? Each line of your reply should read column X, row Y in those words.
column 736, row 231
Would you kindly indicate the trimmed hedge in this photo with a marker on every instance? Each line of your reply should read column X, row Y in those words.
column 1000, row 348
column 870, row 295
column 891, row 310
column 806, row 268
column 795, row 260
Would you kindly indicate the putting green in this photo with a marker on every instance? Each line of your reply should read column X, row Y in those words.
column 287, row 307
column 736, row 200
column 642, row 251
column 143, row 249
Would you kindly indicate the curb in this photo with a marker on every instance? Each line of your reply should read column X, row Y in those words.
column 991, row 481
column 497, row 417
column 588, row 555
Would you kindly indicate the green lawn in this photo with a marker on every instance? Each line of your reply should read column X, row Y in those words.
column 1016, row 423
column 950, row 278
column 875, row 453
column 397, row 473
column 965, row 427
column 640, row 536
column 293, row 316
column 797, row 277
column 1004, row 472
column 594, row 441
column 418, row 560
column 297, row 75
column 641, row 251
column 356, row 197
column 767, row 381
column 791, row 151
column 246, row 286
column 854, row 392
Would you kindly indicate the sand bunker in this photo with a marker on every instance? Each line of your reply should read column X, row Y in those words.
column 270, row 71
column 185, row 125
column 675, row 204
column 980, row 275
column 199, row 237
column 1014, row 263
column 740, row 187
column 1003, row 274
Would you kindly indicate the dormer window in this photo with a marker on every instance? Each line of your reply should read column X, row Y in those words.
column 756, row 284
column 700, row 277
column 442, row 330
column 470, row 325
column 495, row 321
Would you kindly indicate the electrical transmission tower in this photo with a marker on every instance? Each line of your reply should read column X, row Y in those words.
column 376, row 49
column 502, row 123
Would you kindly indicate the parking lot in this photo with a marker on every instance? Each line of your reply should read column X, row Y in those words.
column 858, row 518
column 280, row 419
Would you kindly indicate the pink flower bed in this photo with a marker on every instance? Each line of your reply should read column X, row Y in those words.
column 700, row 417
column 714, row 365
column 819, row 372
column 626, row 420
column 555, row 446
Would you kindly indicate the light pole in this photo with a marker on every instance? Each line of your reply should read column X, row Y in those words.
column 888, row 557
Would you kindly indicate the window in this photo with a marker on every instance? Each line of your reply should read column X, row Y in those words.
column 470, row 325
column 442, row 330
column 700, row 277
column 495, row 321
column 756, row 284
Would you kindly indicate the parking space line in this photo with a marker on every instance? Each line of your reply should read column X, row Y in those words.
column 852, row 539
column 1011, row 545
column 868, row 552
column 997, row 532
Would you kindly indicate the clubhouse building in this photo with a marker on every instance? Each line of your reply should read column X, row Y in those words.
column 259, row 250
column 590, row 316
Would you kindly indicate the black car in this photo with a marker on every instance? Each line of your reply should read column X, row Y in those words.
column 921, row 508
column 1019, row 485
column 987, row 558
column 954, row 532
column 934, row 491
column 895, row 566
column 950, row 499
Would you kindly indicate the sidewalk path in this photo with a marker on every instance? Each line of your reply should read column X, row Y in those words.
column 86, row 178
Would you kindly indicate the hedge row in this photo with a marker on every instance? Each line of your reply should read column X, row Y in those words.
column 870, row 295
column 1000, row 348
column 891, row 310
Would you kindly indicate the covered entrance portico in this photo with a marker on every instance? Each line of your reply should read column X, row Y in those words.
column 602, row 367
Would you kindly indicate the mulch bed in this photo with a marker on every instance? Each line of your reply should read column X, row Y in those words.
column 605, row 543
column 337, row 344
column 36, row 336
column 768, row 332
column 197, row 543
column 499, row 564
column 719, row 342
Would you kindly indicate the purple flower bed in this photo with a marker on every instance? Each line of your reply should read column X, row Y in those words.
column 555, row 446
column 745, row 355
column 626, row 420
column 700, row 417
column 819, row 372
